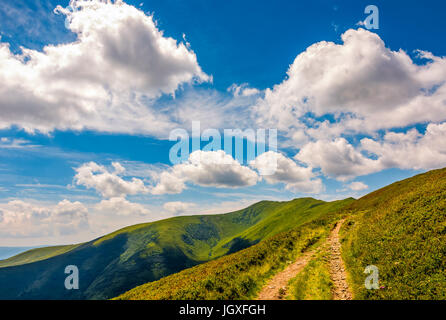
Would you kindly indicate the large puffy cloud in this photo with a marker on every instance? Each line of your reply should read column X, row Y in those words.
column 405, row 150
column 337, row 159
column 103, row 81
column 121, row 207
column 276, row 168
column 218, row 169
column 361, row 83
column 24, row 219
column 411, row 150
column 108, row 184
column 335, row 91
column 205, row 168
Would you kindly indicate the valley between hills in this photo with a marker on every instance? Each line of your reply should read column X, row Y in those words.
column 303, row 249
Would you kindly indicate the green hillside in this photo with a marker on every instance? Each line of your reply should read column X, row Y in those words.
column 242, row 274
column 132, row 256
column 401, row 229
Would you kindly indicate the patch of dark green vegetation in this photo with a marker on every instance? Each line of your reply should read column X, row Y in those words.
column 122, row 260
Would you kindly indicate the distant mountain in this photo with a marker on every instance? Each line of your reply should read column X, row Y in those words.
column 7, row 252
column 400, row 229
column 115, row 263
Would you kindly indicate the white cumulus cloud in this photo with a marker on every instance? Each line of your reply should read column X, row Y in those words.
column 108, row 184
column 205, row 168
column 103, row 80
column 337, row 159
column 361, row 83
column 358, row 186
column 243, row 90
column 411, row 150
column 276, row 168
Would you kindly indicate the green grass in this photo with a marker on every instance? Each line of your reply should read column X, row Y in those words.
column 236, row 276
column 138, row 254
column 401, row 229
column 313, row 282
column 240, row 275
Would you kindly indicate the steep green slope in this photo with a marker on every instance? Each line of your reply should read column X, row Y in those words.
column 401, row 229
column 138, row 254
column 242, row 274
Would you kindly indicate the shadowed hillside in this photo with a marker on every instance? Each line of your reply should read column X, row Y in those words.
column 122, row 260
column 401, row 229
column 240, row 275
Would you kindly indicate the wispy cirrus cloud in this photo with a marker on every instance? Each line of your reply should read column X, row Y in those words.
column 15, row 143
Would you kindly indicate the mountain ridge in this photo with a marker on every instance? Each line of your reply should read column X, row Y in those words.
column 400, row 229
column 134, row 255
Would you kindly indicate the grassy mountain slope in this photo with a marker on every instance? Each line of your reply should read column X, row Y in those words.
column 401, row 229
column 129, row 257
column 242, row 274
column 314, row 281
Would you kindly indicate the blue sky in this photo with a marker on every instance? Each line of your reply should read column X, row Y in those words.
column 77, row 101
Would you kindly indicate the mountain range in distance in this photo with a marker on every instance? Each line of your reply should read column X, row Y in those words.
column 400, row 229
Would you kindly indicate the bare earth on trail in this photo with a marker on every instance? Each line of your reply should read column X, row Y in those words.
column 276, row 288
column 337, row 269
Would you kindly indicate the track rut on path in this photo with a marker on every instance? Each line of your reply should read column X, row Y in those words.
column 277, row 287
column 338, row 275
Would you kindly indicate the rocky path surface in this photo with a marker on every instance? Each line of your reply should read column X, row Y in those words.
column 338, row 275
column 276, row 288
